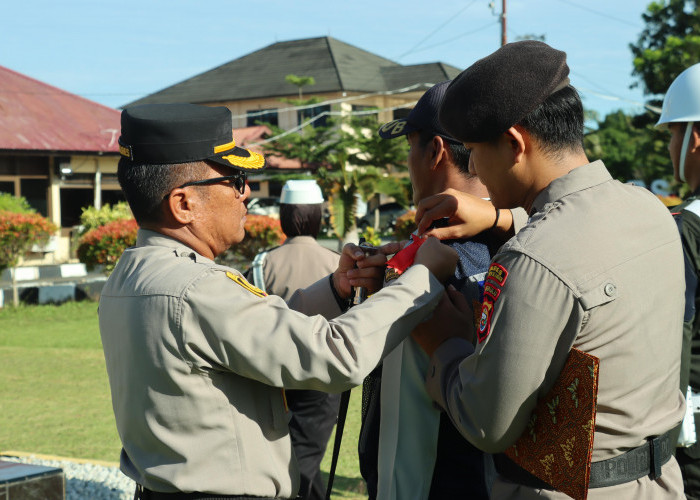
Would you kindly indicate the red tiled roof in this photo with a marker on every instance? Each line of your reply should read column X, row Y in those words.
column 247, row 135
column 36, row 116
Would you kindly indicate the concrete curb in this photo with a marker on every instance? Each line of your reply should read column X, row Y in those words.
column 12, row 453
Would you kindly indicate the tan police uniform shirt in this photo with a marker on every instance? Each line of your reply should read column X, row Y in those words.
column 598, row 267
column 197, row 358
column 299, row 261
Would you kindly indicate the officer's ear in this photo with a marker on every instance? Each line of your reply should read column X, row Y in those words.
column 519, row 140
column 180, row 205
column 437, row 153
column 694, row 146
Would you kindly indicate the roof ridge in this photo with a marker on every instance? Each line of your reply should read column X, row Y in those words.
column 335, row 63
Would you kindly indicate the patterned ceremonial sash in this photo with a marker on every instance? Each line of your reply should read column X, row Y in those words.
column 557, row 443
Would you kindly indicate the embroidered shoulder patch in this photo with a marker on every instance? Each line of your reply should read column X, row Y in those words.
column 390, row 274
column 491, row 290
column 484, row 327
column 244, row 283
column 497, row 274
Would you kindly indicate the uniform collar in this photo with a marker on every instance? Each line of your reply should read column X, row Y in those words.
column 146, row 237
column 300, row 240
column 578, row 179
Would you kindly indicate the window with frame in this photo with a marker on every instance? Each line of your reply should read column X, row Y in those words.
column 258, row 116
column 308, row 113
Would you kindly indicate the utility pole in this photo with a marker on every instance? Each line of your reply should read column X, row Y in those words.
column 504, row 39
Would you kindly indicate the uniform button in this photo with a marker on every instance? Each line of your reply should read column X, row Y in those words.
column 610, row 289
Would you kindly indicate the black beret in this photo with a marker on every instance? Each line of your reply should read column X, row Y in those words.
column 424, row 116
column 498, row 91
column 161, row 134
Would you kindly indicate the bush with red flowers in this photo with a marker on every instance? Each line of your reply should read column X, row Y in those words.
column 261, row 232
column 105, row 244
column 18, row 232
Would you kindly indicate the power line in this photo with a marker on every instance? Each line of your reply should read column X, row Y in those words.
column 603, row 14
column 310, row 121
column 342, row 99
column 452, row 18
column 459, row 36
column 330, row 113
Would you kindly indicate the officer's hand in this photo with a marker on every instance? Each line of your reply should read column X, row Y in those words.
column 468, row 215
column 357, row 269
column 440, row 259
column 453, row 317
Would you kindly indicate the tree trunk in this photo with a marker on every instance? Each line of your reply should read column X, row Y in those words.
column 351, row 236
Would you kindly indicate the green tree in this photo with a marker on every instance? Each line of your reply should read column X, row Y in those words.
column 300, row 82
column 349, row 160
column 383, row 162
column 348, row 157
column 630, row 147
column 92, row 218
column 669, row 43
column 387, row 157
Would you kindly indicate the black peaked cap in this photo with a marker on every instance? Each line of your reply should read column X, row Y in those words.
column 177, row 133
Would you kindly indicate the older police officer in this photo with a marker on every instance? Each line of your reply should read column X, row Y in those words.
column 197, row 357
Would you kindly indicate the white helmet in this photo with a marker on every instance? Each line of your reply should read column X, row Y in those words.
column 682, row 105
column 301, row 193
column 682, row 100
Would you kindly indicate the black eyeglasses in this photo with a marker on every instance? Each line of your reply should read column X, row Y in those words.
column 237, row 180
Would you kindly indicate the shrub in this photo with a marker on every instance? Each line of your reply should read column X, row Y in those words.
column 92, row 218
column 405, row 225
column 371, row 236
column 18, row 232
column 105, row 244
column 15, row 204
column 262, row 232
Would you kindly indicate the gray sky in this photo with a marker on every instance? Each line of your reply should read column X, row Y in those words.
column 115, row 52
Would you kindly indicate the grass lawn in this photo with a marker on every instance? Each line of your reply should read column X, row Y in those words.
column 54, row 394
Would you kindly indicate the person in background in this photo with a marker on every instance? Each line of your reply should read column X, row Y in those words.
column 598, row 268
column 197, row 357
column 298, row 263
column 681, row 115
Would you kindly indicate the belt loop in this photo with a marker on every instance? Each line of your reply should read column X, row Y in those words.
column 655, row 458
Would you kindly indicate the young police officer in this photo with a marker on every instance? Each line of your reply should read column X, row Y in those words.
column 598, row 267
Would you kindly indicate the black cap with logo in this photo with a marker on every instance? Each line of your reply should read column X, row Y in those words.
column 161, row 134
column 424, row 116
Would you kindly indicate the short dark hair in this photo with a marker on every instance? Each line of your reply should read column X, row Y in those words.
column 557, row 123
column 460, row 154
column 301, row 220
column 145, row 186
